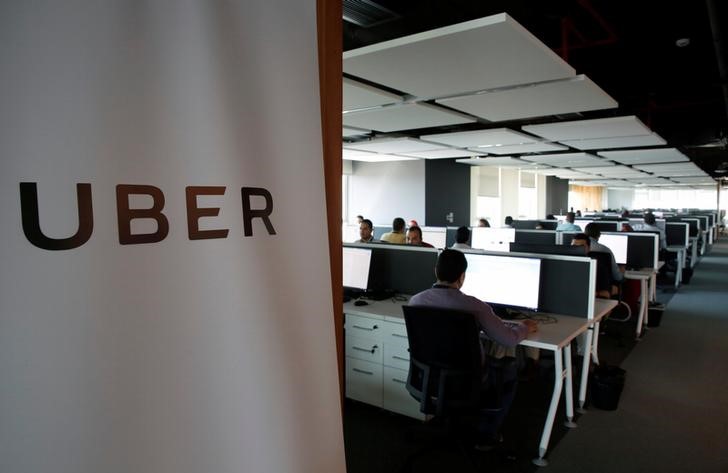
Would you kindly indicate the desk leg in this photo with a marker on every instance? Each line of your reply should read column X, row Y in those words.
column 653, row 287
column 555, row 396
column 680, row 265
column 595, row 344
column 643, row 307
column 585, row 368
column 694, row 259
column 568, row 375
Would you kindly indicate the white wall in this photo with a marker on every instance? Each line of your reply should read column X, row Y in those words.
column 509, row 185
column 618, row 198
column 383, row 191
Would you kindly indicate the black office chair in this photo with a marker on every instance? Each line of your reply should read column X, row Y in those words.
column 446, row 374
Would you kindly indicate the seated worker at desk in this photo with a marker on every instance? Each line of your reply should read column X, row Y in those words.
column 593, row 232
column 568, row 225
column 450, row 273
column 650, row 224
column 397, row 233
column 365, row 231
column 414, row 238
column 462, row 236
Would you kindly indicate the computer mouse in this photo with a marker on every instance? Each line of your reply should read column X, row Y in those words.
column 361, row 302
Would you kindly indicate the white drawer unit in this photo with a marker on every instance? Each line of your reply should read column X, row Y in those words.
column 377, row 363
column 395, row 397
column 364, row 381
column 365, row 349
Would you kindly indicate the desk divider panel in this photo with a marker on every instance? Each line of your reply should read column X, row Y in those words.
column 536, row 237
column 380, row 230
column 402, row 269
column 642, row 249
column 677, row 233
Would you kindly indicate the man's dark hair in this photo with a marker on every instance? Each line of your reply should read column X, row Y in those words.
column 398, row 224
column 368, row 223
column 570, row 217
column 509, row 220
column 550, row 217
column 582, row 237
column 649, row 218
column 592, row 230
column 450, row 265
column 417, row 230
column 462, row 235
column 484, row 223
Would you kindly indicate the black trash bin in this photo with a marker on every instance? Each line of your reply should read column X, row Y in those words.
column 655, row 316
column 606, row 387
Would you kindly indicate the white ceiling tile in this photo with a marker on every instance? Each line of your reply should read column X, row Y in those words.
column 694, row 180
column 571, row 95
column 352, row 132
column 403, row 117
column 570, row 160
column 645, row 156
column 393, row 145
column 481, row 138
column 522, row 148
column 381, row 158
column 501, row 161
column 673, row 169
column 590, row 129
column 443, row 153
column 357, row 95
column 653, row 139
column 492, row 52
column 565, row 173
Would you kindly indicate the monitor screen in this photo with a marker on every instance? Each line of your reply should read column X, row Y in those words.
column 436, row 237
column 494, row 239
column 503, row 280
column 356, row 267
column 618, row 245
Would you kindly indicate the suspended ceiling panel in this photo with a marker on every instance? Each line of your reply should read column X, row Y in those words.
column 645, row 156
column 565, row 174
column 481, row 138
column 502, row 161
column 404, row 117
column 358, row 95
column 443, row 153
column 522, row 148
column 381, row 158
column 613, row 171
column 567, row 160
column 577, row 94
column 694, row 180
column 476, row 55
column 393, row 146
column 653, row 139
column 674, row 169
column 590, row 129
column 652, row 181
column 352, row 132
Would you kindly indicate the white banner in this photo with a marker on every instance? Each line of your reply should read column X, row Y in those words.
column 165, row 304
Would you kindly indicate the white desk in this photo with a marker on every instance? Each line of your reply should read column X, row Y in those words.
column 681, row 257
column 383, row 316
column 602, row 307
column 643, row 276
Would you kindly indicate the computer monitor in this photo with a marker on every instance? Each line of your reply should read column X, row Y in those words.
column 493, row 239
column 504, row 280
column 356, row 267
column 436, row 237
column 618, row 245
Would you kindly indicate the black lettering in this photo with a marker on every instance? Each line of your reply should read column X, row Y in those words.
column 125, row 215
column 31, row 223
column 194, row 213
column 263, row 214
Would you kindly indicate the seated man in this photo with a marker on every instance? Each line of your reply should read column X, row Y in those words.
column 508, row 222
column 450, row 273
column 397, row 233
column 568, row 225
column 650, row 224
column 593, row 232
column 483, row 223
column 462, row 236
column 582, row 239
column 414, row 237
column 365, row 231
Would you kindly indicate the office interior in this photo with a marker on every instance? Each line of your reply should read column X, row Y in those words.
column 431, row 144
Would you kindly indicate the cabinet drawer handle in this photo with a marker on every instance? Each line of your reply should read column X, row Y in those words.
column 365, row 328
column 400, row 358
column 363, row 371
column 398, row 335
column 368, row 350
column 399, row 381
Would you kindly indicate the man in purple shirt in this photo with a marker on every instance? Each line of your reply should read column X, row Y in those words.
column 450, row 272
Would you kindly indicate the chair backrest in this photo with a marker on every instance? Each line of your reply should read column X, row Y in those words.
column 446, row 369
column 604, row 270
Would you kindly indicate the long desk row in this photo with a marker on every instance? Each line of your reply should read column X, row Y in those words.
column 377, row 358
